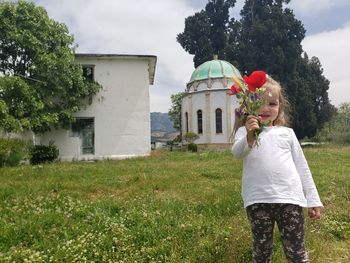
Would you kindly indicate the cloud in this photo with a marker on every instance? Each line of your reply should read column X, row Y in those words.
column 159, row 103
column 131, row 27
column 332, row 49
column 150, row 28
column 313, row 7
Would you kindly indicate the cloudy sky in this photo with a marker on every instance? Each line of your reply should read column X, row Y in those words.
column 149, row 27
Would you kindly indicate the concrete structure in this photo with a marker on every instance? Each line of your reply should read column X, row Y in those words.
column 117, row 123
column 207, row 109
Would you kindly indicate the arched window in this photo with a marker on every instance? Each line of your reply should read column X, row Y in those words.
column 186, row 119
column 218, row 120
column 200, row 121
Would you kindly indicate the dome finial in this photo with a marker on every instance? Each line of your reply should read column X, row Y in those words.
column 215, row 57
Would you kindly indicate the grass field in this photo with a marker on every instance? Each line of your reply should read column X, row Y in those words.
column 169, row 207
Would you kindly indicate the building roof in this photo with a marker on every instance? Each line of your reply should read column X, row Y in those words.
column 152, row 60
column 214, row 69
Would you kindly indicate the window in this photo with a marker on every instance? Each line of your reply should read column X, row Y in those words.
column 88, row 72
column 218, row 120
column 84, row 128
column 186, row 116
column 200, row 121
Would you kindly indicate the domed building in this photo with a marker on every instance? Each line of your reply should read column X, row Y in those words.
column 207, row 109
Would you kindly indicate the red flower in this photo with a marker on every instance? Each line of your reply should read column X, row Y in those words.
column 256, row 80
column 235, row 89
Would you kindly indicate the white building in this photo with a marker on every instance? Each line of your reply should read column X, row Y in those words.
column 207, row 109
column 117, row 123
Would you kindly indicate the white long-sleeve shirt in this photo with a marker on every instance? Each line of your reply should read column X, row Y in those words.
column 276, row 170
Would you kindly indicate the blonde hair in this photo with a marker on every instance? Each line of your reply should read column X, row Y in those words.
column 282, row 117
column 283, row 108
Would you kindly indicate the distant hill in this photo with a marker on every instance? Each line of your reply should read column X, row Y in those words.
column 161, row 122
column 162, row 129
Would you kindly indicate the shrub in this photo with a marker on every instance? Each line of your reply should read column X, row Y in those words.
column 342, row 138
column 192, row 147
column 13, row 151
column 178, row 138
column 170, row 144
column 337, row 129
column 190, row 137
column 43, row 153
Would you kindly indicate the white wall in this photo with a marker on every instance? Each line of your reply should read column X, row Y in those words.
column 120, row 110
column 198, row 103
column 218, row 99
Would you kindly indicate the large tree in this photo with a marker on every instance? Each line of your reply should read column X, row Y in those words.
column 268, row 37
column 41, row 86
column 205, row 32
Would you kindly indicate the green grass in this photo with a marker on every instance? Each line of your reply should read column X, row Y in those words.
column 170, row 207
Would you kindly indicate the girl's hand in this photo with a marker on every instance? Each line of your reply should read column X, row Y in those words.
column 251, row 124
column 314, row 213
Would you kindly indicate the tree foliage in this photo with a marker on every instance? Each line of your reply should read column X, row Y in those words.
column 41, row 86
column 344, row 117
column 337, row 129
column 205, row 32
column 268, row 37
column 190, row 137
column 175, row 110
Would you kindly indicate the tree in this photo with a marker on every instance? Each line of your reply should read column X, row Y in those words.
column 344, row 113
column 268, row 37
column 18, row 104
column 311, row 103
column 190, row 137
column 175, row 110
column 337, row 129
column 205, row 32
column 41, row 86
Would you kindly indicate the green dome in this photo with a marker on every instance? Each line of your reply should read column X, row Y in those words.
column 214, row 69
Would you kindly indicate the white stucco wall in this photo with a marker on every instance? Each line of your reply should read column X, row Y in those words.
column 198, row 103
column 218, row 98
column 121, row 111
column 218, row 101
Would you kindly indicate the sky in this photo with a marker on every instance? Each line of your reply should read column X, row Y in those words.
column 150, row 27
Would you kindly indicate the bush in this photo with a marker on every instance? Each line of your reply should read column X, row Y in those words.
column 190, row 137
column 335, row 137
column 13, row 151
column 342, row 138
column 192, row 147
column 43, row 153
column 337, row 130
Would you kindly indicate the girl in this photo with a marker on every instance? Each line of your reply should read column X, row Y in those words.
column 276, row 181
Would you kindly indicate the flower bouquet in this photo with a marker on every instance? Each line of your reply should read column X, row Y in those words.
column 249, row 93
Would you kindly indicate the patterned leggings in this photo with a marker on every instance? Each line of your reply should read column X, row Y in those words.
column 290, row 222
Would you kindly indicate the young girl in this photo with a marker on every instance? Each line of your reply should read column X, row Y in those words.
column 276, row 181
